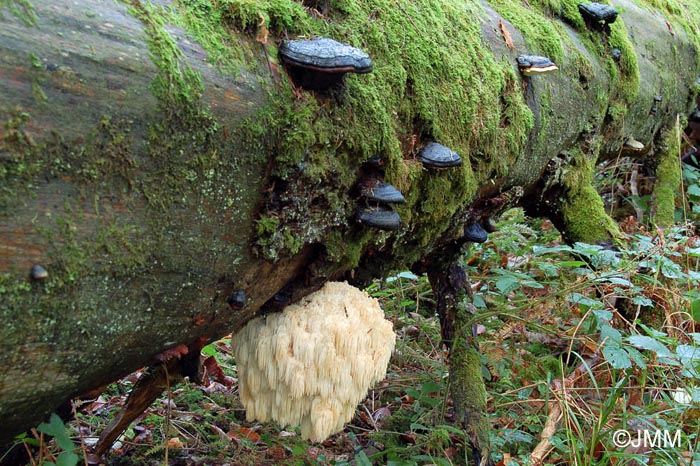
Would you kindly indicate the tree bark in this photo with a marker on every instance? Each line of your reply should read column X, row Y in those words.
column 154, row 167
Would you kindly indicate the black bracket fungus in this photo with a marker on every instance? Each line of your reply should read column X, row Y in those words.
column 597, row 15
column 236, row 300
column 38, row 273
column 534, row 64
column 489, row 225
column 616, row 54
column 435, row 155
column 382, row 218
column 475, row 233
column 695, row 115
column 320, row 64
column 377, row 191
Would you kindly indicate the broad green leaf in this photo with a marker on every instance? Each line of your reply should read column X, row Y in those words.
column 651, row 344
column 616, row 356
column 695, row 310
column 642, row 300
column 57, row 430
column 67, row 458
column 584, row 302
column 610, row 334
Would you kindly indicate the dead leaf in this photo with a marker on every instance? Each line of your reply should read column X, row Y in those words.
column 214, row 370
column 262, row 31
column 174, row 352
column 239, row 432
column 506, row 35
column 670, row 29
column 175, row 443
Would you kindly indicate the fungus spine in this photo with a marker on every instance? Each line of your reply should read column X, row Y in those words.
column 312, row 363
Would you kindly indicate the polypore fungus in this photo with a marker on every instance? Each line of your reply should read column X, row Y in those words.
column 378, row 191
column 320, row 63
column 597, row 14
column 435, row 155
column 314, row 362
column 475, row 233
column 534, row 64
column 381, row 217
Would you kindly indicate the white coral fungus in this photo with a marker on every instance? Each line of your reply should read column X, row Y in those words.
column 314, row 362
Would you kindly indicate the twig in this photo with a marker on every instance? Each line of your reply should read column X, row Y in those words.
column 550, row 428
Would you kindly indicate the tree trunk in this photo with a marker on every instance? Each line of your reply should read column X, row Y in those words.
column 155, row 158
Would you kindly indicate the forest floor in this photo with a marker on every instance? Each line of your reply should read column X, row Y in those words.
column 590, row 356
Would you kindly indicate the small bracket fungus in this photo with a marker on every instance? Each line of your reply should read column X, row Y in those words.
column 379, row 217
column 378, row 191
column 236, row 300
column 598, row 15
column 695, row 115
column 320, row 64
column 616, row 54
column 314, row 362
column 534, row 64
column 475, row 233
column 489, row 225
column 435, row 155
column 633, row 144
column 38, row 273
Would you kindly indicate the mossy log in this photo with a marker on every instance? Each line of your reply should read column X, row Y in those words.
column 155, row 157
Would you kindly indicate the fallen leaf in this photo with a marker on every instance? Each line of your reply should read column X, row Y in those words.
column 506, row 35
column 239, row 432
column 174, row 352
column 175, row 443
column 214, row 370
column 670, row 29
column 262, row 32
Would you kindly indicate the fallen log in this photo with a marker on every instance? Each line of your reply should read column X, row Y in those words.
column 158, row 163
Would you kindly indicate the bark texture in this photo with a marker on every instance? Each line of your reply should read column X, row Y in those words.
column 155, row 158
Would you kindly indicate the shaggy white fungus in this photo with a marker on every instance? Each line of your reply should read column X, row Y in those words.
column 314, row 362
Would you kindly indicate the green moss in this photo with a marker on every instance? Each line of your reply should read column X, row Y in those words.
column 420, row 50
column 668, row 180
column 466, row 380
column 582, row 209
column 540, row 31
column 176, row 86
column 22, row 9
column 685, row 13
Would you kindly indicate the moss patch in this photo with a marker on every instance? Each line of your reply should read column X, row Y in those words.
column 668, row 180
column 433, row 79
column 582, row 209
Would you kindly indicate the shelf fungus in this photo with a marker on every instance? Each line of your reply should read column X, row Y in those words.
column 437, row 156
column 320, row 64
column 475, row 233
column 597, row 14
column 38, row 273
column 236, row 300
column 380, row 217
column 633, row 144
column 530, row 65
column 375, row 190
column 311, row 364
